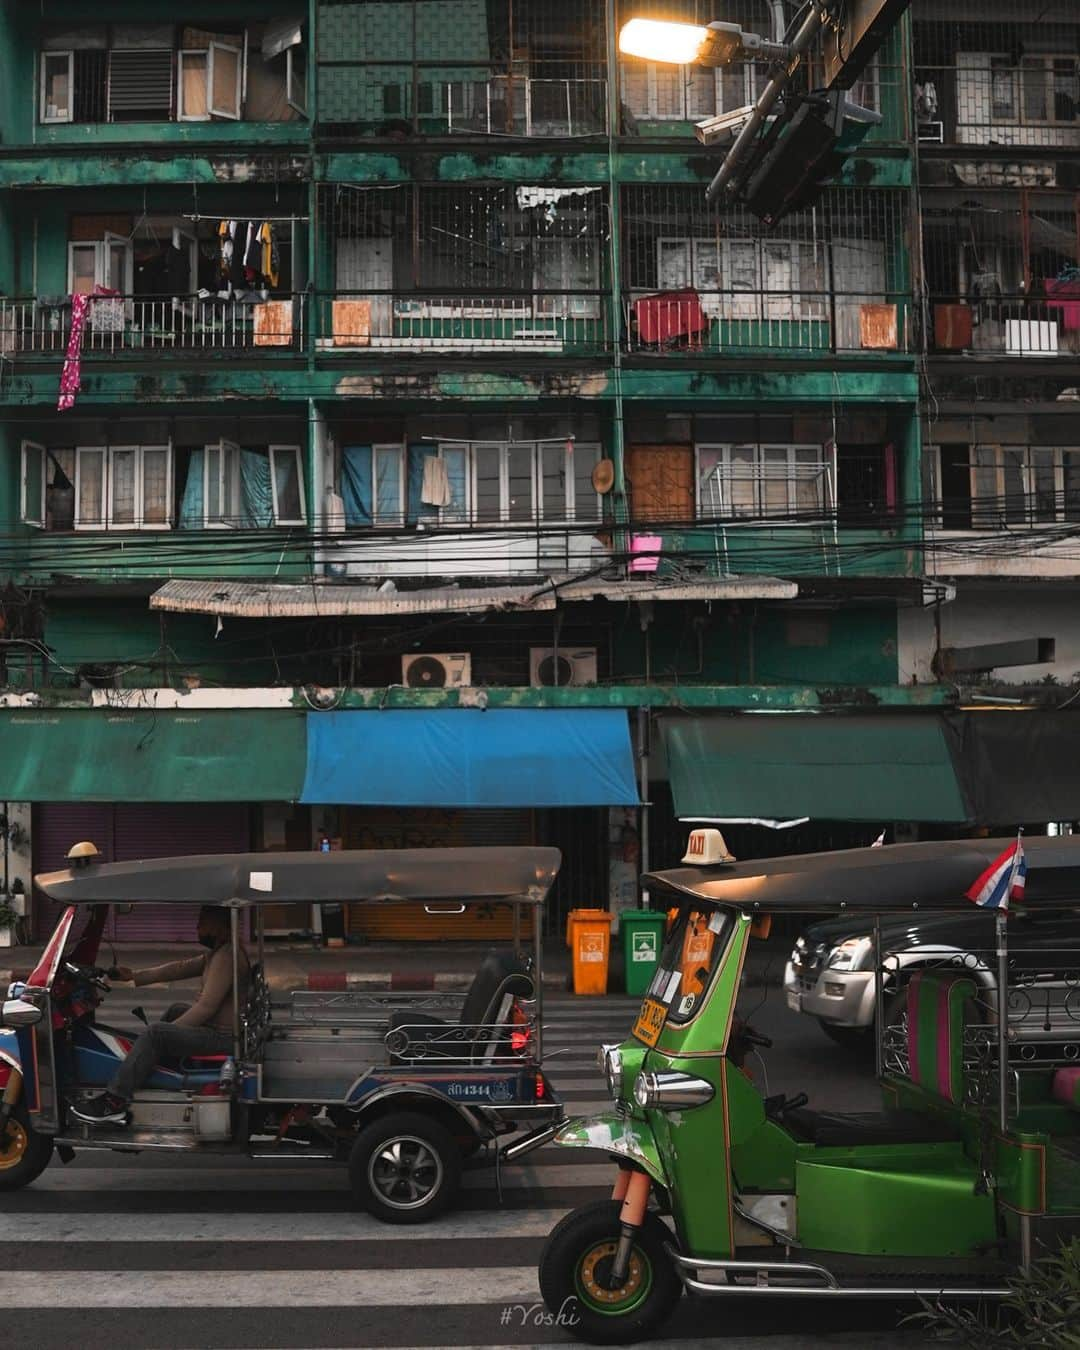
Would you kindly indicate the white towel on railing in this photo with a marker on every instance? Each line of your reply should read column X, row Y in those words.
column 435, row 490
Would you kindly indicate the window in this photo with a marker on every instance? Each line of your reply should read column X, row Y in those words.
column 287, row 485
column 32, row 490
column 57, row 85
column 688, row 93
column 748, row 278
column 1049, row 89
column 296, row 79
column 764, row 481
column 251, row 489
column 992, row 487
column 109, row 263
column 693, row 952
column 570, row 266
column 389, row 485
column 123, row 487
column 223, row 80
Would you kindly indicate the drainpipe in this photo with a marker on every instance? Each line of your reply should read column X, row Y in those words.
column 615, row 279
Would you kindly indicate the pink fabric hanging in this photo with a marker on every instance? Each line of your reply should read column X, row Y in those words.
column 71, row 375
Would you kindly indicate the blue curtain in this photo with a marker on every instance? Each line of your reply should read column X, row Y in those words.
column 415, row 509
column 191, row 507
column 455, row 461
column 257, row 499
column 356, row 484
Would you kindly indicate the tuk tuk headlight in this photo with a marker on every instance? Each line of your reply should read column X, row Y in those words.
column 609, row 1059
column 671, row 1091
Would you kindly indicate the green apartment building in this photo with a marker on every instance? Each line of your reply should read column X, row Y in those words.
column 369, row 369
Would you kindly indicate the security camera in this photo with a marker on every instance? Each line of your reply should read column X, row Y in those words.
column 723, row 127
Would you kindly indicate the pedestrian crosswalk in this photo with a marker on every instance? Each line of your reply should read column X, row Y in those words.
column 163, row 1251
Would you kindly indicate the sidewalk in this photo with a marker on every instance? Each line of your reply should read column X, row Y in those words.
column 395, row 966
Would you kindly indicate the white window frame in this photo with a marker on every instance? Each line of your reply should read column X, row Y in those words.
column 83, row 453
column 227, row 113
column 722, row 503
column 299, row 104
column 228, row 481
column 761, row 303
column 186, row 54
column 1046, row 59
column 393, row 449
column 43, row 116
column 295, row 452
column 996, row 507
column 32, row 513
column 140, row 514
column 536, row 450
column 101, row 248
column 685, row 113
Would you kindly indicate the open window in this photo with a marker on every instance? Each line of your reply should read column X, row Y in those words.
column 32, row 485
column 296, row 79
column 57, row 86
column 287, row 485
column 225, row 80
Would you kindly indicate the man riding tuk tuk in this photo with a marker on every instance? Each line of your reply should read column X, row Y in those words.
column 970, row 1169
column 401, row 1087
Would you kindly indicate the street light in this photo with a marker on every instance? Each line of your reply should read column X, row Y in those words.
column 681, row 44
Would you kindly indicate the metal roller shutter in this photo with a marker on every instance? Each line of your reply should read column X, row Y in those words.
column 375, row 827
column 125, row 832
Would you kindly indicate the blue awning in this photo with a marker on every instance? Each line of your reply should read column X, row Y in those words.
column 468, row 757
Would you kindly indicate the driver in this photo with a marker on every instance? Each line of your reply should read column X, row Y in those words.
column 203, row 1028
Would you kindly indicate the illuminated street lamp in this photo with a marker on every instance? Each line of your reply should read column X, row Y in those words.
column 681, row 44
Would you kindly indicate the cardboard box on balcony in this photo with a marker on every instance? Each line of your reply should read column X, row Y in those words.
column 351, row 322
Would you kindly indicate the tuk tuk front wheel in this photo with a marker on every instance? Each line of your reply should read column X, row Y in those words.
column 574, row 1277
column 405, row 1167
column 24, row 1154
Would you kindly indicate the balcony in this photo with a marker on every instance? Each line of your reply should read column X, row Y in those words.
column 716, row 323
column 555, row 322
column 133, row 326
column 1007, row 325
column 505, row 106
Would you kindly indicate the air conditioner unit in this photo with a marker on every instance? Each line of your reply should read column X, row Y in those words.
column 436, row 670
column 570, row 665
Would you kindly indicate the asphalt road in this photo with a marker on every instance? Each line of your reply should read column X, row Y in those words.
column 157, row 1251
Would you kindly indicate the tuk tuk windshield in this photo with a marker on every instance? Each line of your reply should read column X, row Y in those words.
column 692, row 954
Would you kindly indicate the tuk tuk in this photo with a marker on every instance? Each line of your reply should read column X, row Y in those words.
column 969, row 1171
column 400, row 1087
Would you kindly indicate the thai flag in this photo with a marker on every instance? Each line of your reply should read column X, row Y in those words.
column 1002, row 881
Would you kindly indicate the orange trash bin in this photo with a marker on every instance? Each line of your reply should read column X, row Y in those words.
column 590, row 942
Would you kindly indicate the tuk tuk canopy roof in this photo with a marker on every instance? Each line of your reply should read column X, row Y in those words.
column 893, row 878
column 460, row 874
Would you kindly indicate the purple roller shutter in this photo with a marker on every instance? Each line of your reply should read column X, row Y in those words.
column 56, row 826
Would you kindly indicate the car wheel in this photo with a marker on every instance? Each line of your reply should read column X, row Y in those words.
column 573, row 1277
column 404, row 1167
column 857, row 1039
column 24, row 1154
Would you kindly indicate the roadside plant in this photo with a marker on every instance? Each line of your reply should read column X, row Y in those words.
column 1042, row 1311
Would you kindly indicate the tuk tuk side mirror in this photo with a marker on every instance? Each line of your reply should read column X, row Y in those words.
column 17, row 1012
column 761, row 927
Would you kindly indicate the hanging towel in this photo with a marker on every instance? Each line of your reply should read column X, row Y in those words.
column 71, row 375
column 436, row 487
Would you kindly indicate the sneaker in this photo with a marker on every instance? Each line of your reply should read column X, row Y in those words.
column 104, row 1109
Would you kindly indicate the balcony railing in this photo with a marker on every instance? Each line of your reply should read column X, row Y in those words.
column 539, row 321
column 986, row 98
column 722, row 322
column 131, row 325
column 1008, row 325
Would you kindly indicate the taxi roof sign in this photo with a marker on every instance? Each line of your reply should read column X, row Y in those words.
column 706, row 847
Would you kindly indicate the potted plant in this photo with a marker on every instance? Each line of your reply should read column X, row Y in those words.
column 8, row 919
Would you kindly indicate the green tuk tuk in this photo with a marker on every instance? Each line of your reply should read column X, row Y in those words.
column 968, row 1172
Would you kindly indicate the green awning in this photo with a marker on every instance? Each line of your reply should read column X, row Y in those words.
column 224, row 755
column 761, row 768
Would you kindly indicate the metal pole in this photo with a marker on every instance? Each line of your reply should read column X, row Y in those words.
column 234, row 937
column 538, row 976
column 764, row 105
column 1000, row 925
column 879, row 998
column 643, row 763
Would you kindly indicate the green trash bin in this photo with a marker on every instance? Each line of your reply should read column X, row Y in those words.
column 643, row 938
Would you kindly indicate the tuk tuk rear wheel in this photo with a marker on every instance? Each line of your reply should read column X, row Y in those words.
column 573, row 1265
column 405, row 1167
column 24, row 1154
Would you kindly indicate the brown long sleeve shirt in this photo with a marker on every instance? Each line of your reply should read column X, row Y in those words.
column 213, row 1007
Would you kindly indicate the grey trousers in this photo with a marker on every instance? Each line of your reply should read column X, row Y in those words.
column 163, row 1040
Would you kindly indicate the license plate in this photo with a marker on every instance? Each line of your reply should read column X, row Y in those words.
column 650, row 1021
column 794, row 1000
